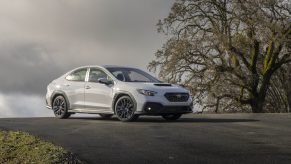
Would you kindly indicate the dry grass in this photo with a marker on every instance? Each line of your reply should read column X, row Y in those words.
column 20, row 147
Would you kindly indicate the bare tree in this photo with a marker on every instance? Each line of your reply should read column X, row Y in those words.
column 279, row 93
column 226, row 51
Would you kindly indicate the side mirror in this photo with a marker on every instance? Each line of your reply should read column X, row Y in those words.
column 104, row 81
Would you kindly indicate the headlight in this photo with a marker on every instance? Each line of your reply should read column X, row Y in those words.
column 146, row 92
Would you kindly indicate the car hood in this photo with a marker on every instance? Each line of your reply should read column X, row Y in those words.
column 156, row 87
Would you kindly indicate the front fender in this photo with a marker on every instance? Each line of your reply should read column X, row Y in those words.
column 62, row 93
column 119, row 94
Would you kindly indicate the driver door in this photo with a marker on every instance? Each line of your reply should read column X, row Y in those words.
column 98, row 96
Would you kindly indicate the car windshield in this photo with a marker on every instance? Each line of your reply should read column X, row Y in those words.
column 131, row 75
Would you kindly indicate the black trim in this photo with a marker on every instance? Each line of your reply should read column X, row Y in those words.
column 177, row 96
column 163, row 84
column 154, row 108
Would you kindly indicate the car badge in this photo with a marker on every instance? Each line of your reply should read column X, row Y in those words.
column 179, row 96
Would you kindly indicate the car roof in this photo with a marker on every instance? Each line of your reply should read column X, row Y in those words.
column 114, row 66
column 106, row 66
column 103, row 66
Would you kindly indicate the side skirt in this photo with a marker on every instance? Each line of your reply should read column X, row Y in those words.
column 91, row 111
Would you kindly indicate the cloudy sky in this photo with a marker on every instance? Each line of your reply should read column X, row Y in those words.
column 42, row 39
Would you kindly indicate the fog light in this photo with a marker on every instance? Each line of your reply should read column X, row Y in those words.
column 149, row 108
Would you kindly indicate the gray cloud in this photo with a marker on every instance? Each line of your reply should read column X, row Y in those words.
column 41, row 40
column 27, row 68
column 18, row 105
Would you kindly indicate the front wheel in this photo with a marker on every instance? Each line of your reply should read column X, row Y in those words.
column 60, row 108
column 171, row 117
column 125, row 108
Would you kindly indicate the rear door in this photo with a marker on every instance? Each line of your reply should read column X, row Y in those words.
column 74, row 87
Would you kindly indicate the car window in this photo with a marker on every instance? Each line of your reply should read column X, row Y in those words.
column 131, row 75
column 119, row 75
column 96, row 74
column 78, row 75
column 137, row 77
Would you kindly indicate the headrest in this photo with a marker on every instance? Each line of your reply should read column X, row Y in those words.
column 120, row 77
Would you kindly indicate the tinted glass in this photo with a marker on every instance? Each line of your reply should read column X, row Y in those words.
column 96, row 74
column 131, row 75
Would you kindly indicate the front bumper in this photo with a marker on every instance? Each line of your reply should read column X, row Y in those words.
column 154, row 108
column 159, row 104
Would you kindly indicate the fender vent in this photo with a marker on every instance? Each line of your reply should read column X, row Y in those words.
column 163, row 85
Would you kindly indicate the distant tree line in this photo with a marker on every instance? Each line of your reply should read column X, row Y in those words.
column 234, row 55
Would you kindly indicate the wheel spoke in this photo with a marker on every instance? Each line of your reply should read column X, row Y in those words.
column 55, row 108
column 58, row 102
column 59, row 106
column 124, row 108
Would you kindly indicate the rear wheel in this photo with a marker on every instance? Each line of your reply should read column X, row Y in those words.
column 60, row 108
column 125, row 108
column 171, row 117
column 106, row 115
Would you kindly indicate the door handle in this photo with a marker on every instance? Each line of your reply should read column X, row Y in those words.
column 67, row 85
column 88, row 87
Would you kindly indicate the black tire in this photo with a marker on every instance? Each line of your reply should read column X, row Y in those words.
column 106, row 116
column 60, row 108
column 125, row 108
column 171, row 117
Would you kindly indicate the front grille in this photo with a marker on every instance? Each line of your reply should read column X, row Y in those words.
column 177, row 97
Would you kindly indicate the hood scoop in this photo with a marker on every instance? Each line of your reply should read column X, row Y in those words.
column 163, row 85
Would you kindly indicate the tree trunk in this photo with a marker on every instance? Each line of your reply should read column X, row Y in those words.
column 289, row 100
column 258, row 100
column 289, row 89
column 217, row 105
column 257, row 104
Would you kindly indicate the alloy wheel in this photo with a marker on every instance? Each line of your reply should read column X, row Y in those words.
column 60, row 107
column 125, row 108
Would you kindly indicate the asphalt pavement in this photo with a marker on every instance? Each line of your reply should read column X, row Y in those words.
column 195, row 138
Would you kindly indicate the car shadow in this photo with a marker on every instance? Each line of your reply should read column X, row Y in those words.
column 181, row 120
column 200, row 120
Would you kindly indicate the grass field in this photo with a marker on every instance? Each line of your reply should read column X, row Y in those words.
column 21, row 147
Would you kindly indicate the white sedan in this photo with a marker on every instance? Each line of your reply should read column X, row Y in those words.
column 113, row 90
